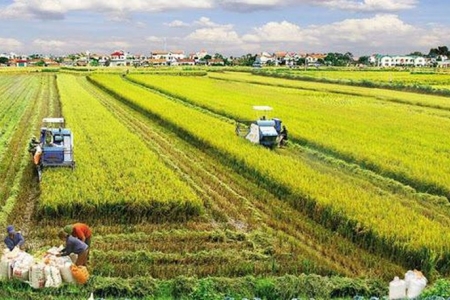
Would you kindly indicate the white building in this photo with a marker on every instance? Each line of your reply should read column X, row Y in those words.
column 401, row 60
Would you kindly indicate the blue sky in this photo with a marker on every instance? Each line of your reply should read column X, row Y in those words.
column 229, row 27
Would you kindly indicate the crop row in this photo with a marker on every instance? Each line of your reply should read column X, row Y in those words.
column 15, row 99
column 245, row 204
column 377, row 220
column 182, row 287
column 116, row 174
column 214, row 262
column 421, row 100
column 400, row 141
column 29, row 92
column 389, row 76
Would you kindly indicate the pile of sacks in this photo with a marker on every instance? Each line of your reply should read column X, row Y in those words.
column 411, row 287
column 48, row 270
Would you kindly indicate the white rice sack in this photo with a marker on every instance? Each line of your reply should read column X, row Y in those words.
column 52, row 276
column 37, row 277
column 21, row 272
column 66, row 272
column 22, row 258
column 53, row 250
column 62, row 260
column 12, row 254
column 21, row 266
column 5, row 269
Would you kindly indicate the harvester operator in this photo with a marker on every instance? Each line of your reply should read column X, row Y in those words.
column 283, row 136
column 32, row 145
column 14, row 239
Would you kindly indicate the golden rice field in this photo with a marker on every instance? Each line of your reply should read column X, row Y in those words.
column 175, row 198
column 409, row 77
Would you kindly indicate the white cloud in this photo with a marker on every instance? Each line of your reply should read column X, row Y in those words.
column 57, row 9
column 206, row 22
column 252, row 5
column 11, row 44
column 382, row 33
column 275, row 32
column 154, row 39
column 177, row 24
column 212, row 32
column 47, row 46
column 380, row 27
column 221, row 35
column 370, row 5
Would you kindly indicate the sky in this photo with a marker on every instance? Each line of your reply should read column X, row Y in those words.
column 228, row 27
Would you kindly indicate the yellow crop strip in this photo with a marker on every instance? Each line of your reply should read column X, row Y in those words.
column 115, row 172
column 377, row 93
column 407, row 142
column 362, row 203
column 427, row 77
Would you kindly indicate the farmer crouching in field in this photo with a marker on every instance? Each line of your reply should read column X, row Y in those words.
column 14, row 239
column 74, row 245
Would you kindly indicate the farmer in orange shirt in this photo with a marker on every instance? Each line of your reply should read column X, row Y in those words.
column 80, row 231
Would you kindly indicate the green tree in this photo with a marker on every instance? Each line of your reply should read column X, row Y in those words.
column 363, row 60
column 441, row 50
column 40, row 63
column 247, row 60
column 94, row 62
column 4, row 60
column 72, row 57
column 416, row 53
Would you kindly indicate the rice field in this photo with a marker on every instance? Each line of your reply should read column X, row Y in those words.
column 175, row 198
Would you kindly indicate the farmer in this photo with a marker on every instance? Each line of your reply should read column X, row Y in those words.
column 80, row 231
column 74, row 245
column 14, row 238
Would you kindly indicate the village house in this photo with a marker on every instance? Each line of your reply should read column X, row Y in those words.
column 171, row 57
column 313, row 58
column 118, row 58
column 184, row 62
column 400, row 60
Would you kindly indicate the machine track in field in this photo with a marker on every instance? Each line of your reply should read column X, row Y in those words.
column 46, row 102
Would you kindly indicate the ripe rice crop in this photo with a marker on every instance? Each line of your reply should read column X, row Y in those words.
column 377, row 219
column 115, row 174
column 391, row 77
column 406, row 142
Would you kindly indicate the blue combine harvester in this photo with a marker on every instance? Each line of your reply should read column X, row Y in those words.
column 55, row 148
column 263, row 131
